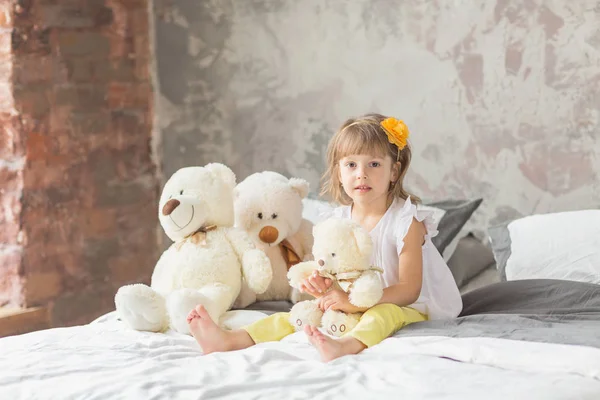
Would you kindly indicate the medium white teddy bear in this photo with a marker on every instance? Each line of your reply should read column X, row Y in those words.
column 342, row 251
column 268, row 206
column 206, row 263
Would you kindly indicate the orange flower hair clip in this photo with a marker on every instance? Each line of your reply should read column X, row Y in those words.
column 396, row 131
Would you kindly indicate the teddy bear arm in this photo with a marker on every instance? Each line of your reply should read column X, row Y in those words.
column 367, row 290
column 257, row 270
column 256, row 266
column 301, row 271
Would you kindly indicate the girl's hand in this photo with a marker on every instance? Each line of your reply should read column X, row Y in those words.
column 338, row 300
column 315, row 285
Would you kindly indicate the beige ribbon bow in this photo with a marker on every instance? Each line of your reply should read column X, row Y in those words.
column 345, row 280
column 289, row 254
column 198, row 237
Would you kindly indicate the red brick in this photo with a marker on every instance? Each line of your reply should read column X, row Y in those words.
column 40, row 174
column 6, row 18
column 30, row 40
column 33, row 101
column 142, row 215
column 10, row 278
column 6, row 44
column 129, row 95
column 99, row 223
column 10, row 226
column 39, row 287
column 72, row 14
column 84, row 306
column 10, row 204
column 80, row 97
column 6, row 97
column 139, row 21
column 31, row 68
column 62, row 257
column 79, row 69
column 90, row 44
column 141, row 45
column 142, row 69
column 135, row 268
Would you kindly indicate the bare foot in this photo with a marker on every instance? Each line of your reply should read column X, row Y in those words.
column 213, row 338
column 330, row 348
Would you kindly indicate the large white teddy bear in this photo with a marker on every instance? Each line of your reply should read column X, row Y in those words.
column 342, row 251
column 206, row 263
column 268, row 206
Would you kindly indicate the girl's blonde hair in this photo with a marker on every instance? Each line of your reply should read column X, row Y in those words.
column 363, row 135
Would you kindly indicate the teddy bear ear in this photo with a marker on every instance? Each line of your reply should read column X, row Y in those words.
column 363, row 241
column 222, row 172
column 300, row 185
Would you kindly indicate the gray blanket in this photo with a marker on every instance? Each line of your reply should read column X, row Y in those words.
column 538, row 310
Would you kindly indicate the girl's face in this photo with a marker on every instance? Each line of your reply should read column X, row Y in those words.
column 366, row 177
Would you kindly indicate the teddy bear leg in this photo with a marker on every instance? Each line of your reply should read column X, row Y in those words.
column 338, row 323
column 141, row 308
column 216, row 299
column 305, row 313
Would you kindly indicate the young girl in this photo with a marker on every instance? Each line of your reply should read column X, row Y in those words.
column 367, row 161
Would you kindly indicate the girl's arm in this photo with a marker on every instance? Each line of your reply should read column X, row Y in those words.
column 410, row 269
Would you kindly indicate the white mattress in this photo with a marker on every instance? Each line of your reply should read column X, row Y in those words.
column 105, row 360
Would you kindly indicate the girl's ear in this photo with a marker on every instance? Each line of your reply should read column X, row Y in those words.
column 395, row 171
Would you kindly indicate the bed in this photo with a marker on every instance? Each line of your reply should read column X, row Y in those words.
column 528, row 339
column 530, row 329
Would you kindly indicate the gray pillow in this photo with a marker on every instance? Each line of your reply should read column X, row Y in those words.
column 457, row 214
column 501, row 242
column 469, row 259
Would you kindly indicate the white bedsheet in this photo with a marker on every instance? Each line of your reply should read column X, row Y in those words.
column 105, row 360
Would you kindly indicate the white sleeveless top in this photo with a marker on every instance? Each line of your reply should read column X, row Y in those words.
column 440, row 297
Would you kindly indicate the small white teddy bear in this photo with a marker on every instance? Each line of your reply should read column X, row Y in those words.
column 206, row 263
column 268, row 206
column 342, row 251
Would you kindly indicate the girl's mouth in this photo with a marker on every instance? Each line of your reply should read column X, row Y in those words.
column 362, row 188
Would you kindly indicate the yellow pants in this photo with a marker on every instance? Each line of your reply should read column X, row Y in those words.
column 375, row 325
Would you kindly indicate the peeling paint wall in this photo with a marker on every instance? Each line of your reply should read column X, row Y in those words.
column 502, row 97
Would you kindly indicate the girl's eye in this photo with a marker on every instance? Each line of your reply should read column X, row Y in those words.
column 375, row 164
column 351, row 164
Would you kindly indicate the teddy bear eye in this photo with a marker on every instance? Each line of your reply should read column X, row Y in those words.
column 181, row 192
column 260, row 216
column 274, row 216
column 332, row 254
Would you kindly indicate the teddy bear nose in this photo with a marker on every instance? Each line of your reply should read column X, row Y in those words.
column 268, row 234
column 170, row 206
column 321, row 263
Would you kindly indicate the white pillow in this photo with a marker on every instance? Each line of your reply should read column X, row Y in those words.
column 562, row 245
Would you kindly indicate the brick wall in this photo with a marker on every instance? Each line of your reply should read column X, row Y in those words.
column 78, row 212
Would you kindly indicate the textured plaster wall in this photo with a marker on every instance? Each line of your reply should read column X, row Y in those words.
column 502, row 97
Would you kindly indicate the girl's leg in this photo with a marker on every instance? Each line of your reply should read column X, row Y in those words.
column 382, row 321
column 375, row 325
column 212, row 338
